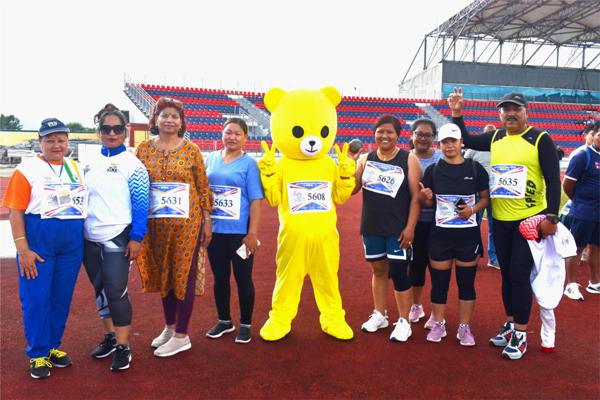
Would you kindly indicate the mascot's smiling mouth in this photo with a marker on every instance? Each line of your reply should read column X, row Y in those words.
column 311, row 145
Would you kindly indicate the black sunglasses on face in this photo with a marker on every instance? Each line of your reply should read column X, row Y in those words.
column 117, row 129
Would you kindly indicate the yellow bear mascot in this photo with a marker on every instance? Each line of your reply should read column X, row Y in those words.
column 306, row 184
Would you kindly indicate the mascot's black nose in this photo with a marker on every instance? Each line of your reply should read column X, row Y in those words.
column 312, row 143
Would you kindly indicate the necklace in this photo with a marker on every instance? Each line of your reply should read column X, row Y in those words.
column 385, row 157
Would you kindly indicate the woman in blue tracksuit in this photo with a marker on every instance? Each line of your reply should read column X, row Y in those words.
column 47, row 199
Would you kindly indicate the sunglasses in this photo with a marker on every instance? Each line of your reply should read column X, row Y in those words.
column 117, row 129
column 163, row 100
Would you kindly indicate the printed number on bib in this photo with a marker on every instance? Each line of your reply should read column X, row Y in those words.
column 309, row 196
column 446, row 215
column 226, row 202
column 169, row 200
column 508, row 181
column 64, row 201
column 382, row 178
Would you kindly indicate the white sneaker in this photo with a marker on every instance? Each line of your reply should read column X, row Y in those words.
column 163, row 338
column 173, row 346
column 401, row 332
column 592, row 288
column 572, row 291
column 376, row 321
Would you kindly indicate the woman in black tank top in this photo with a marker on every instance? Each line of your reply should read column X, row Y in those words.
column 389, row 177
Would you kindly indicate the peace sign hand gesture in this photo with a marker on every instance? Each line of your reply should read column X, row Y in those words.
column 346, row 165
column 455, row 102
column 266, row 164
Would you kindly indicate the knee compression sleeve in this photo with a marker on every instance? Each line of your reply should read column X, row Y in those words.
column 465, row 279
column 399, row 275
column 440, row 281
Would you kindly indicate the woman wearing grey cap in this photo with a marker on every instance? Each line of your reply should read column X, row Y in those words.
column 48, row 203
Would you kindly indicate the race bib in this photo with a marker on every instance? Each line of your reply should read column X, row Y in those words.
column 169, row 200
column 309, row 196
column 508, row 181
column 64, row 201
column 226, row 202
column 446, row 215
column 382, row 178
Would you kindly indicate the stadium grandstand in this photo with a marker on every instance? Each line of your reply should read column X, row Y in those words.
column 489, row 48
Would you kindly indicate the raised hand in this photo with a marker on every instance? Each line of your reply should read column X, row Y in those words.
column 266, row 164
column 455, row 102
column 346, row 165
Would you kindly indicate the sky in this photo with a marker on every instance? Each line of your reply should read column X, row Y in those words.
column 66, row 59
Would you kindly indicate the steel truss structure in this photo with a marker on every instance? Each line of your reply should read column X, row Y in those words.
column 518, row 32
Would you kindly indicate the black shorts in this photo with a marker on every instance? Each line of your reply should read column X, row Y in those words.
column 585, row 232
column 440, row 250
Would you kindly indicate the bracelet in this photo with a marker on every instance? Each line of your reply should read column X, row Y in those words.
column 19, row 238
column 472, row 210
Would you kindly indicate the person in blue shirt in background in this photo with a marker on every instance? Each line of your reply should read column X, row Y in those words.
column 237, row 191
column 582, row 185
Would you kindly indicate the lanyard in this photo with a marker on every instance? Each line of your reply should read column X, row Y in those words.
column 53, row 171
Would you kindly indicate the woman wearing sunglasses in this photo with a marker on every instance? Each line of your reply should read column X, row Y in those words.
column 173, row 253
column 117, row 215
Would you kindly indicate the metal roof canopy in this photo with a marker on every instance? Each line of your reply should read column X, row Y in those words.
column 523, row 25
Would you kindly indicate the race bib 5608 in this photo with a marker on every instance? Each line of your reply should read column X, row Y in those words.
column 309, row 196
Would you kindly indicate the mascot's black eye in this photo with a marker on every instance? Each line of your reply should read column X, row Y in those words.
column 297, row 131
column 324, row 132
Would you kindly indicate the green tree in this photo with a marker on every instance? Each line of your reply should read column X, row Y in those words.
column 10, row 123
column 78, row 127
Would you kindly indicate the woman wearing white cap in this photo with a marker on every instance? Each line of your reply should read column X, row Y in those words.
column 457, row 189
column 47, row 202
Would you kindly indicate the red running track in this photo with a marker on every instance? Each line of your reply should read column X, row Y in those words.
column 308, row 363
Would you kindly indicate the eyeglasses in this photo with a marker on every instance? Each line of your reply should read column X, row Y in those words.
column 117, row 129
column 423, row 135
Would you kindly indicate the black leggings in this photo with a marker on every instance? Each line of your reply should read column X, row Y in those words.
column 516, row 263
column 420, row 260
column 222, row 255
column 108, row 270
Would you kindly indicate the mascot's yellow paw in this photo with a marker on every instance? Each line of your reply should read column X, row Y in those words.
column 338, row 329
column 274, row 330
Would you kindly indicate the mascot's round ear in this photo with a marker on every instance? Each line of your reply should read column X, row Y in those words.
column 272, row 98
column 332, row 94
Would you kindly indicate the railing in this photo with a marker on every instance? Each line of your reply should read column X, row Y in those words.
column 140, row 98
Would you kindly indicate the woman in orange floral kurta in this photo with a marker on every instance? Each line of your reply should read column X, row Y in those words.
column 173, row 252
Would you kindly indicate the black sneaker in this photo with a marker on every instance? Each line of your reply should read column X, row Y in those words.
column 39, row 367
column 106, row 347
column 220, row 329
column 244, row 335
column 122, row 358
column 59, row 358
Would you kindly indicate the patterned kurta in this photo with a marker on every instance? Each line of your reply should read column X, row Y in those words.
column 169, row 246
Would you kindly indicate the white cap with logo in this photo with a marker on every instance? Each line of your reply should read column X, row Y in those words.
column 449, row 131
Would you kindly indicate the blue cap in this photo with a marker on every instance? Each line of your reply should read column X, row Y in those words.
column 52, row 125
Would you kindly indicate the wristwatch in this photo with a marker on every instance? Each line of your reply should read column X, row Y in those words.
column 552, row 218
